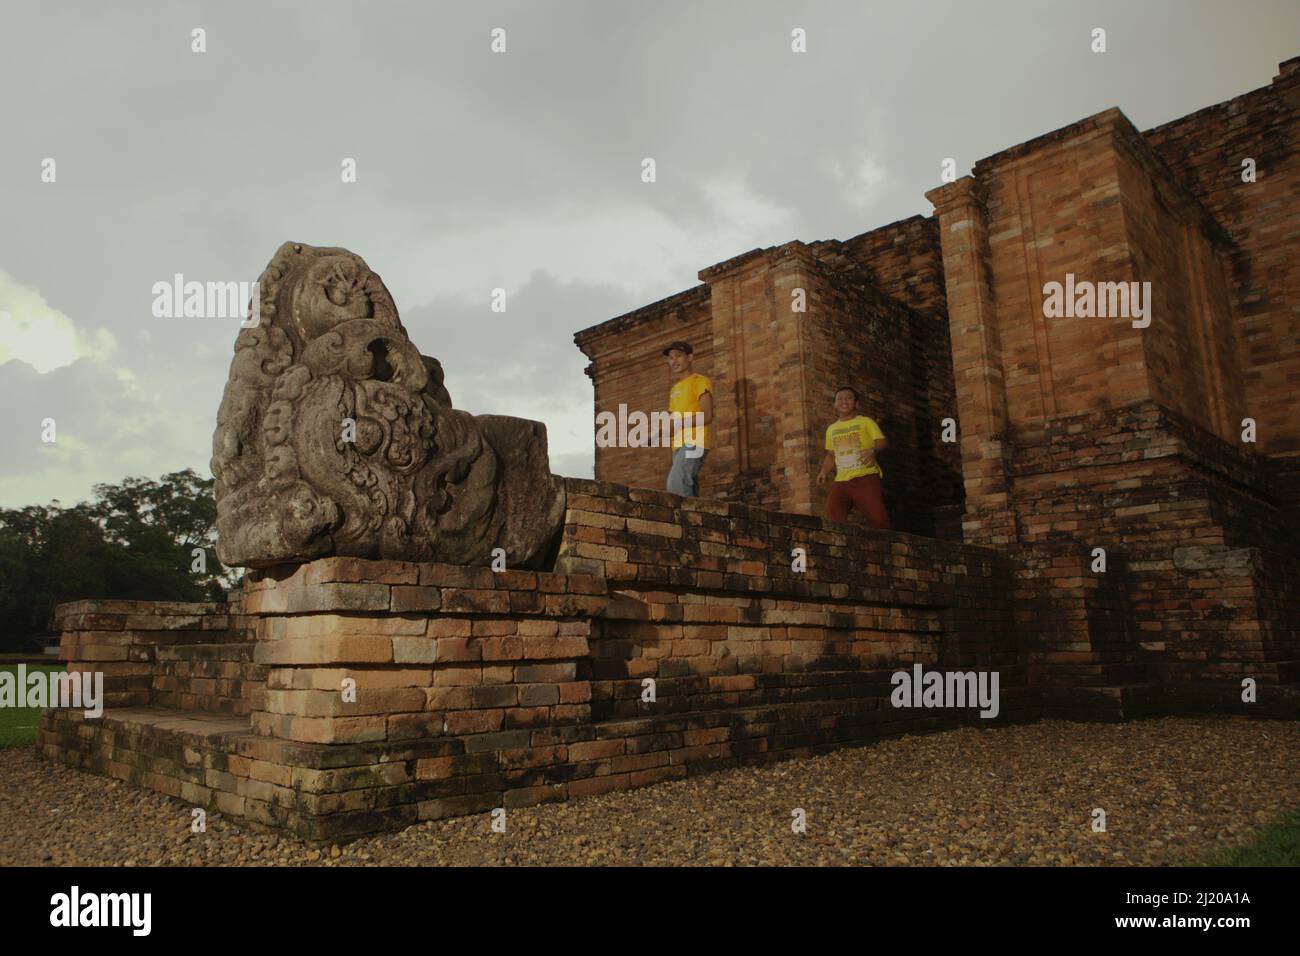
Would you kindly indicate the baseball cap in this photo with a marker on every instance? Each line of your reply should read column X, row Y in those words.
column 682, row 346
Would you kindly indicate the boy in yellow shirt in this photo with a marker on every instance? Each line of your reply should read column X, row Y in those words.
column 852, row 442
column 691, row 398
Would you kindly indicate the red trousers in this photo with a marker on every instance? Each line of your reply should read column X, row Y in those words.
column 866, row 493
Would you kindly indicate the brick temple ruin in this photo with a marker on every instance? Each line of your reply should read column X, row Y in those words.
column 477, row 689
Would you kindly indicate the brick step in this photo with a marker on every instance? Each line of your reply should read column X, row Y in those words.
column 187, row 723
column 241, row 651
column 332, row 792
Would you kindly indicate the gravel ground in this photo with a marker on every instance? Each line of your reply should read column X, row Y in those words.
column 1173, row 790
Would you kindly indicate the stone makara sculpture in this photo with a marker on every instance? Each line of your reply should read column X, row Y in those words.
column 337, row 437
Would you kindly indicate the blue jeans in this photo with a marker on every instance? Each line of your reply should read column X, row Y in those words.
column 684, row 478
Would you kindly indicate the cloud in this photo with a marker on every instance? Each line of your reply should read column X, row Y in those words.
column 109, row 422
column 523, row 362
column 861, row 178
column 32, row 331
column 588, row 246
column 477, row 171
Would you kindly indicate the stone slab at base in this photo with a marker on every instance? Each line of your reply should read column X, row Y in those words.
column 329, row 792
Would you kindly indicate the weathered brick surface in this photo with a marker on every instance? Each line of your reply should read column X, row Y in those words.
column 213, row 678
column 477, row 703
column 186, row 656
column 774, row 372
column 1084, row 433
column 631, row 370
column 1205, row 151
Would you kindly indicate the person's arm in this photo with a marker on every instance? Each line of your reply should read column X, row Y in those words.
column 827, row 469
column 706, row 407
column 869, row 454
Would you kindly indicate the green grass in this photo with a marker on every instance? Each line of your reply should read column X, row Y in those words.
column 1276, row 845
column 18, row 724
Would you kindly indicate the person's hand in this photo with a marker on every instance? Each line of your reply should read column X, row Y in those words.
column 821, row 477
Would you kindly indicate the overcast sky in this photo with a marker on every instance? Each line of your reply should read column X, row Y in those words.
column 475, row 170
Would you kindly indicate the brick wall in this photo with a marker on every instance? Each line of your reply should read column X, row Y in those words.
column 1204, row 151
column 1196, row 545
column 215, row 678
column 1083, row 433
column 190, row 656
column 476, row 690
column 904, row 261
column 728, row 622
column 628, row 367
column 1190, row 349
column 1053, row 207
column 773, row 370
column 899, row 361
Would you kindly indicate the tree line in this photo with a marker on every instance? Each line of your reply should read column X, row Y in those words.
column 134, row 540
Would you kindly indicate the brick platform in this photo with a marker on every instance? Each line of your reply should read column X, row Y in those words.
column 476, row 690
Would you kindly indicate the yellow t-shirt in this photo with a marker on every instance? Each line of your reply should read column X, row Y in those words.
column 846, row 440
column 685, row 398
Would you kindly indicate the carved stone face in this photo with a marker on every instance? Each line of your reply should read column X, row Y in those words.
column 332, row 291
column 372, row 466
column 365, row 349
column 335, row 436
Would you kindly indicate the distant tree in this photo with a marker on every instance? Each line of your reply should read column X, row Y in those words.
column 157, row 525
column 133, row 540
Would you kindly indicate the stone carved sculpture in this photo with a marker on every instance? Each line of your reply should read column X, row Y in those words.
column 336, row 437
